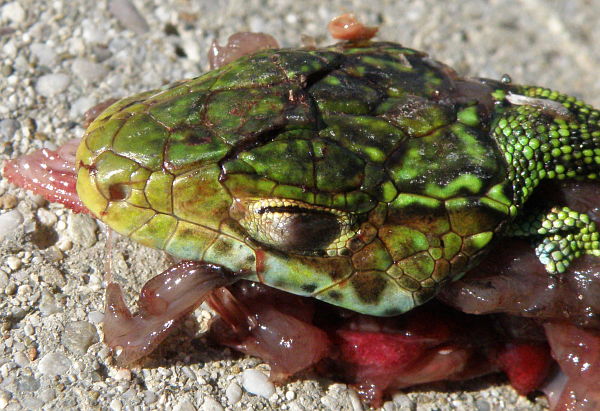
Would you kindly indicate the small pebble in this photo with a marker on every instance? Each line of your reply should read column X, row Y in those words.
column 9, row 222
column 32, row 353
column 92, row 33
column 32, row 403
column 27, row 383
column 233, row 393
column 8, row 128
column 482, row 405
column 78, row 336
column 210, row 404
column 165, row 372
column 18, row 313
column 64, row 244
column 54, row 363
column 115, row 405
column 54, row 254
column 10, row 289
column 332, row 402
column 123, row 374
column 38, row 201
column 29, row 124
column 81, row 229
column 290, row 395
column 6, row 70
column 45, row 55
column 403, row 401
column 355, row 400
column 21, row 359
column 95, row 283
column 46, row 217
column 50, row 85
column 8, row 201
column 257, row 383
column 14, row 262
column 14, row 12
column 4, row 399
column 95, row 317
column 150, row 397
column 48, row 305
column 53, row 276
column 28, row 329
column 47, row 395
column 128, row 15
column 81, row 105
column 88, row 70
column 184, row 405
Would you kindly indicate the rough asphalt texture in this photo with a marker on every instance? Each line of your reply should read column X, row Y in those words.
column 58, row 58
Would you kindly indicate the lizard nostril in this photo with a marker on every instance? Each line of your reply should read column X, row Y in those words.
column 119, row 192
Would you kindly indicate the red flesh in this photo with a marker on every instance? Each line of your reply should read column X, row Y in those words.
column 347, row 27
column 376, row 355
column 164, row 300
column 49, row 173
column 577, row 352
column 285, row 339
column 239, row 45
column 525, row 364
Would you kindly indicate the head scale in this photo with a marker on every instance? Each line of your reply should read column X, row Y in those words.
column 270, row 168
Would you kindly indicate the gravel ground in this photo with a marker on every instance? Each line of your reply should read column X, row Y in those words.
column 60, row 59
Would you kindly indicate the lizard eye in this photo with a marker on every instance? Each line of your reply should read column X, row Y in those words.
column 296, row 229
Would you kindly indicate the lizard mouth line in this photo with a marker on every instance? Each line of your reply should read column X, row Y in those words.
column 264, row 205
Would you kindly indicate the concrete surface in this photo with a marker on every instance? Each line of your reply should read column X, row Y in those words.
column 60, row 57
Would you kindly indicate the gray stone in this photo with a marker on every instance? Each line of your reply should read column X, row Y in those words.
column 45, row 55
column 27, row 383
column 257, row 383
column 32, row 403
column 210, row 404
column 54, row 363
column 14, row 12
column 128, row 15
column 81, row 229
column 184, row 404
column 78, row 336
column 48, row 304
column 52, row 84
column 9, row 222
column 88, row 70
column 233, row 392
column 150, row 397
column 8, row 128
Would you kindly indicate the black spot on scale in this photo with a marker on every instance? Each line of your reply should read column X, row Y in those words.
column 309, row 288
column 369, row 286
column 335, row 295
column 196, row 137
